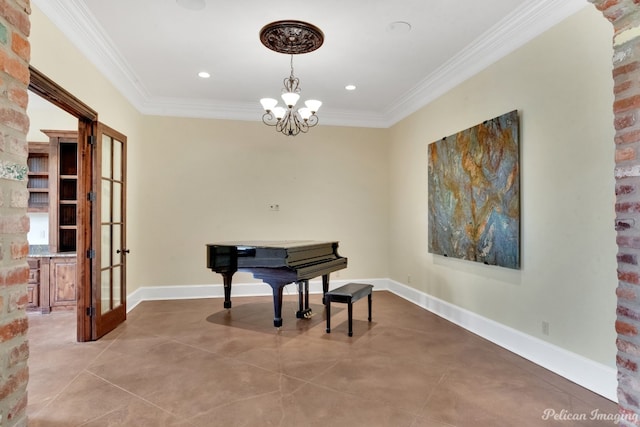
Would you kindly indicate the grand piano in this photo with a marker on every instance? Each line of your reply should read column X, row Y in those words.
column 277, row 263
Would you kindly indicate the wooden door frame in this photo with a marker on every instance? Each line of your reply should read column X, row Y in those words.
column 87, row 126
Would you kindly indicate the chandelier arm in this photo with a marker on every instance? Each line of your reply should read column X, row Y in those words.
column 312, row 121
column 283, row 123
column 268, row 119
column 293, row 126
column 301, row 124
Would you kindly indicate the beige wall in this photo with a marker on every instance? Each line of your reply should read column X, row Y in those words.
column 202, row 181
column 561, row 85
column 195, row 181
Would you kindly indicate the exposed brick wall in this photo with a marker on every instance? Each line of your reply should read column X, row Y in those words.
column 625, row 17
column 14, row 223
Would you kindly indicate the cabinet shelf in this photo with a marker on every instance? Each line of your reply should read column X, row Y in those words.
column 38, row 177
column 63, row 185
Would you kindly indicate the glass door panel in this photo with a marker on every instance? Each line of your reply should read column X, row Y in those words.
column 105, row 288
column 110, row 293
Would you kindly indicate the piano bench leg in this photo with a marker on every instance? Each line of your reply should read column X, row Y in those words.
column 277, row 322
column 328, row 309
column 227, row 304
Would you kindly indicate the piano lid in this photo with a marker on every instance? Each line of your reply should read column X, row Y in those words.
column 275, row 244
column 269, row 254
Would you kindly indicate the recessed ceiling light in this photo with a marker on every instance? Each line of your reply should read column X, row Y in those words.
column 192, row 4
column 399, row 27
column 350, row 87
column 204, row 74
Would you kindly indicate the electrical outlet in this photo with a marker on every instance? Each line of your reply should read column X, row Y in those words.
column 274, row 207
column 545, row 327
column 408, row 279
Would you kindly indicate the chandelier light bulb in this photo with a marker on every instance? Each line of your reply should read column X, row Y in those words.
column 305, row 113
column 313, row 105
column 279, row 112
column 268, row 103
column 290, row 99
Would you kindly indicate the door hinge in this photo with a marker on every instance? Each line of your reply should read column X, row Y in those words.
column 91, row 253
column 91, row 139
column 91, row 311
column 92, row 196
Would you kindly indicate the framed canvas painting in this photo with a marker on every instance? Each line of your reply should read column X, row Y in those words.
column 474, row 193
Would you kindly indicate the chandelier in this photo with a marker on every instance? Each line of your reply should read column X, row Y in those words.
column 293, row 38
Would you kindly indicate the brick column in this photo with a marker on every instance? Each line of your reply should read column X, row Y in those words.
column 14, row 223
column 625, row 17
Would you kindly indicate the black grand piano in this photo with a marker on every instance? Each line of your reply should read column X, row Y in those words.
column 277, row 263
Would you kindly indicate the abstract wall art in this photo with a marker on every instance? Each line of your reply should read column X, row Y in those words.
column 474, row 193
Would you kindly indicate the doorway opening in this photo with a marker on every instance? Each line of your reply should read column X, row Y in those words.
column 85, row 194
column 52, row 208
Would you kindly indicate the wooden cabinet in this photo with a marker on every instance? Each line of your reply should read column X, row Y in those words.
column 33, row 286
column 62, row 282
column 53, row 188
column 63, row 190
column 52, row 282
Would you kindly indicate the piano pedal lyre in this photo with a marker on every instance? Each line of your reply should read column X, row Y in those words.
column 304, row 311
column 304, row 314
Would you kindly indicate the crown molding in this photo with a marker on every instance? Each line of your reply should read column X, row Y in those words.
column 516, row 29
column 203, row 109
column 76, row 22
column 525, row 23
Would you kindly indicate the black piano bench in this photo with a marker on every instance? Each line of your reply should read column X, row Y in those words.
column 348, row 294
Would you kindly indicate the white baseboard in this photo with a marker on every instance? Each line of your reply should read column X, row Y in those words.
column 594, row 376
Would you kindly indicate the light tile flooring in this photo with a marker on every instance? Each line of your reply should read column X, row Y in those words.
column 192, row 363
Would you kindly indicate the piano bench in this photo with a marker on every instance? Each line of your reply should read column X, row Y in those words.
column 348, row 294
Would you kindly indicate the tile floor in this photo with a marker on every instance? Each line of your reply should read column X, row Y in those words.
column 192, row 363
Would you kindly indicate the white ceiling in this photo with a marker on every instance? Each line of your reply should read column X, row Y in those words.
column 152, row 51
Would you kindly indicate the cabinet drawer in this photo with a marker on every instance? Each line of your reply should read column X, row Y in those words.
column 33, row 295
column 34, row 270
column 34, row 276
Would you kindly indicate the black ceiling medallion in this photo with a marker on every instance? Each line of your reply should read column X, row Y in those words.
column 291, row 37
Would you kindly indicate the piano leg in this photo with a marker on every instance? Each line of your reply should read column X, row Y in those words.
column 304, row 312
column 277, row 304
column 325, row 287
column 227, row 289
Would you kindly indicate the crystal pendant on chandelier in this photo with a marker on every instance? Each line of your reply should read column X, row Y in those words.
column 292, row 37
